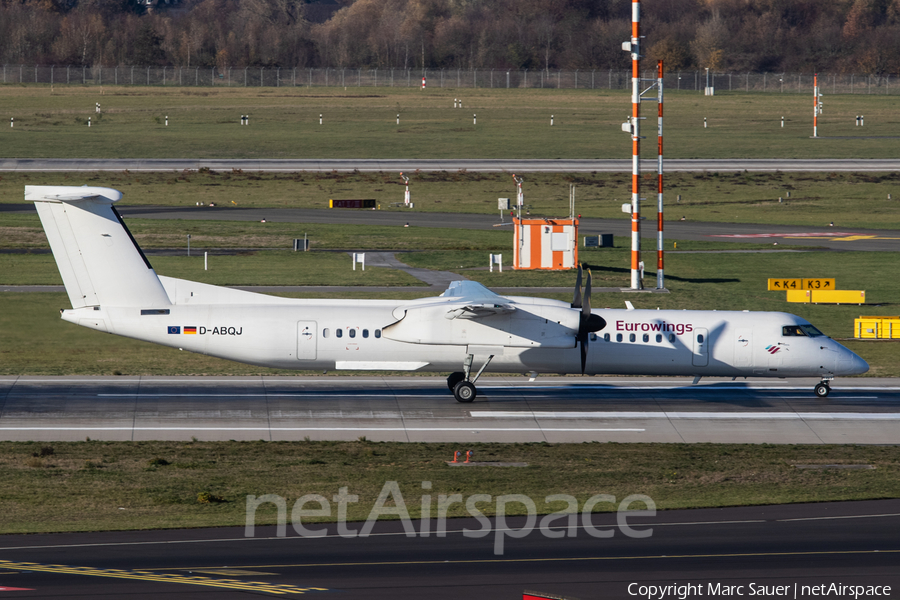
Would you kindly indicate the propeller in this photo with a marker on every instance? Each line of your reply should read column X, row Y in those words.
column 576, row 301
column 589, row 322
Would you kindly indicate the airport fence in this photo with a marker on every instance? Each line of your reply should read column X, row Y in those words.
column 442, row 78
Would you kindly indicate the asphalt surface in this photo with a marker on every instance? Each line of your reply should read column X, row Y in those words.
column 474, row 165
column 853, row 543
column 421, row 409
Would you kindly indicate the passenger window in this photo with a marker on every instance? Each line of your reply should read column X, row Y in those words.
column 631, row 337
column 658, row 338
column 352, row 333
column 338, row 332
column 593, row 337
column 606, row 337
column 671, row 338
column 699, row 338
column 377, row 333
column 325, row 333
column 646, row 338
column 365, row 333
column 618, row 337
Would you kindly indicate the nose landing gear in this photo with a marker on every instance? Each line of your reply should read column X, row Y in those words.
column 822, row 388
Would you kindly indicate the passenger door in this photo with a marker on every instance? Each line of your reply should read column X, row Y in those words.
column 743, row 348
column 306, row 340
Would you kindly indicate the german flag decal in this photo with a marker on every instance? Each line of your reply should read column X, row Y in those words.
column 190, row 330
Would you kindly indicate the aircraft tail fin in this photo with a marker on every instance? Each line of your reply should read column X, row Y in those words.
column 98, row 259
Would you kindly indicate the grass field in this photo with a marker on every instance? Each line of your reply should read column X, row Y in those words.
column 89, row 486
column 362, row 123
column 814, row 199
column 25, row 231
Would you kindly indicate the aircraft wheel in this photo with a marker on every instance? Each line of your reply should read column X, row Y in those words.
column 454, row 379
column 822, row 390
column 464, row 391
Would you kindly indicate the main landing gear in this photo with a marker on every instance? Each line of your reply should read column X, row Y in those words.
column 459, row 383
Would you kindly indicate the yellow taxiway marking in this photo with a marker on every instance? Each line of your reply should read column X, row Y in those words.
column 850, row 238
column 573, row 559
column 234, row 572
column 140, row 575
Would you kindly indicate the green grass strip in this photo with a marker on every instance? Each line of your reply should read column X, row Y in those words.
column 94, row 486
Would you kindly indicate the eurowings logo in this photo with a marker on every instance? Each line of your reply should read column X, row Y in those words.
column 772, row 349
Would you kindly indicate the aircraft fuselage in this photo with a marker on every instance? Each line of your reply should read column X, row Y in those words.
column 356, row 335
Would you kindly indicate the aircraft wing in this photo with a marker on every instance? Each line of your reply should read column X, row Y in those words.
column 471, row 300
column 468, row 313
column 471, row 290
column 462, row 300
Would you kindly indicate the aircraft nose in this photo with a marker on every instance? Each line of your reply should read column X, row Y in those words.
column 858, row 366
column 851, row 364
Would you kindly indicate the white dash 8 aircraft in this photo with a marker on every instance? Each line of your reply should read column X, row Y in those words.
column 465, row 330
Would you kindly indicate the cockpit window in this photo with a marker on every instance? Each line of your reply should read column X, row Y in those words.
column 800, row 331
column 792, row 330
column 811, row 331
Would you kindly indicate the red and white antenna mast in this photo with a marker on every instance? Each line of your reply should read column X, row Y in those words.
column 634, row 127
column 634, row 46
column 660, row 282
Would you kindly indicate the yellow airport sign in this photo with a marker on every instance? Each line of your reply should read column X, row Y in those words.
column 785, row 284
column 838, row 296
column 803, row 283
column 818, row 284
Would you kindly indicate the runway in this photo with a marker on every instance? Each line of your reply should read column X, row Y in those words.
column 25, row 165
column 421, row 409
column 797, row 546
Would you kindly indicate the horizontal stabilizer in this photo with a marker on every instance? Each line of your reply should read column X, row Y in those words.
column 65, row 193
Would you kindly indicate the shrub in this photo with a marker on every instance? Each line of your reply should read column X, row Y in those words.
column 209, row 498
